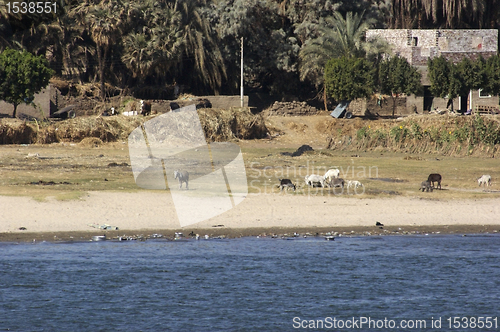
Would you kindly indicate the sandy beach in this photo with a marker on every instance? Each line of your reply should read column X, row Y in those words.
column 145, row 211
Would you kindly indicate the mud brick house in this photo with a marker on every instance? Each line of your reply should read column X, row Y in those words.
column 417, row 46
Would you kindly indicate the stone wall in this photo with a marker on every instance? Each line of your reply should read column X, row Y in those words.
column 223, row 102
column 372, row 107
column 293, row 108
column 419, row 45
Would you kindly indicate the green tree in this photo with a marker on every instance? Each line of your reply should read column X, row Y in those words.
column 104, row 25
column 157, row 47
column 338, row 37
column 22, row 75
column 454, row 14
column 270, row 51
column 348, row 78
column 397, row 76
column 492, row 70
column 472, row 75
column 446, row 81
column 201, row 45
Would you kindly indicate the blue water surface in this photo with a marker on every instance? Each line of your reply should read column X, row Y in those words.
column 249, row 284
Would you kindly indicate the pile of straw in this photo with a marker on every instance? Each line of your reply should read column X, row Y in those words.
column 219, row 125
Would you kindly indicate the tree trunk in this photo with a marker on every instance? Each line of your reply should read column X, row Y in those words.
column 324, row 98
column 101, row 70
column 15, row 110
column 450, row 104
column 393, row 105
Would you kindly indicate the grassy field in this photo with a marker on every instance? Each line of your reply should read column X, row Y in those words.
column 68, row 171
column 382, row 174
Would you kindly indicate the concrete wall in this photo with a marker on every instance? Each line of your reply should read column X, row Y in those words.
column 441, row 103
column 226, row 102
column 46, row 102
column 483, row 100
column 371, row 107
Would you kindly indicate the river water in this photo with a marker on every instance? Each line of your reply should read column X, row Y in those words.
column 253, row 284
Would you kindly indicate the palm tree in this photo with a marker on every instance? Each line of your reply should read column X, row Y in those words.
column 407, row 14
column 156, row 48
column 337, row 37
column 104, row 22
column 200, row 45
column 138, row 55
column 104, row 25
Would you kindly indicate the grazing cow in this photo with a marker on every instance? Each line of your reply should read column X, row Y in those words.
column 313, row 178
column 145, row 108
column 182, row 176
column 330, row 174
column 286, row 183
column 337, row 182
column 435, row 178
column 426, row 186
column 484, row 180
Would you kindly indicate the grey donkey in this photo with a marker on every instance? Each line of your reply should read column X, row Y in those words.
column 183, row 176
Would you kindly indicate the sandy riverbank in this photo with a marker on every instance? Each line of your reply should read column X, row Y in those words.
column 148, row 211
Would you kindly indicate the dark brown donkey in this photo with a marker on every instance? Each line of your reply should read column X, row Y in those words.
column 435, row 178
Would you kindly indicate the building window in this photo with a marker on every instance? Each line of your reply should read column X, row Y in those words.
column 483, row 94
column 412, row 41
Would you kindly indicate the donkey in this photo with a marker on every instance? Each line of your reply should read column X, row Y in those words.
column 183, row 176
column 435, row 178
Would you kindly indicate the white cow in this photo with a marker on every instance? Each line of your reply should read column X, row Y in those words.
column 330, row 174
column 484, row 180
column 311, row 179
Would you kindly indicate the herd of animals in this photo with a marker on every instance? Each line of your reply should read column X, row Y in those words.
column 484, row 180
column 331, row 179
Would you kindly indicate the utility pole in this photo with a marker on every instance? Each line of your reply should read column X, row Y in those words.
column 241, row 83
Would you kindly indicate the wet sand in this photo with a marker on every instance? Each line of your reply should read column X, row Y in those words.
column 145, row 213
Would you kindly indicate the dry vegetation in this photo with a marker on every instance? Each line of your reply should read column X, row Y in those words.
column 219, row 125
column 91, row 153
column 448, row 135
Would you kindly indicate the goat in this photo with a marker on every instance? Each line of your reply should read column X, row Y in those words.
column 183, row 176
column 435, row 178
column 484, row 180
column 426, row 186
column 313, row 178
column 355, row 184
column 286, row 183
column 330, row 174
